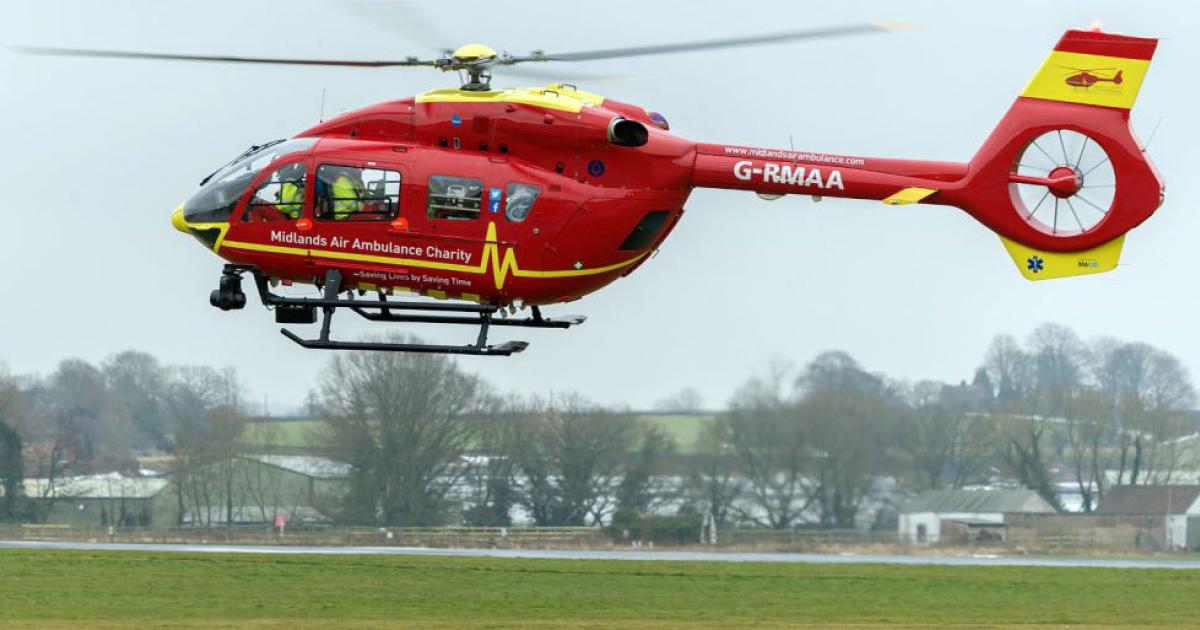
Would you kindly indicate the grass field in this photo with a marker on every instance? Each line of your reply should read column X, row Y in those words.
column 103, row 589
column 685, row 429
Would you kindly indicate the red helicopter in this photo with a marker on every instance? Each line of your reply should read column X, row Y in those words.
column 497, row 200
column 1086, row 78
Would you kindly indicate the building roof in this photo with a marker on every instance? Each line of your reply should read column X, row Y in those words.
column 307, row 465
column 977, row 501
column 1148, row 499
column 105, row 486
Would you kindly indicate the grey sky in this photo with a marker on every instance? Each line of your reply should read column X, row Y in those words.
column 99, row 152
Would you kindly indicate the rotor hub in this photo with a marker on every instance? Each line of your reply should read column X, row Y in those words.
column 1064, row 182
column 473, row 52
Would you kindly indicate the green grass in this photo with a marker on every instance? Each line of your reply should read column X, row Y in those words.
column 684, row 428
column 300, row 433
column 292, row 434
column 113, row 589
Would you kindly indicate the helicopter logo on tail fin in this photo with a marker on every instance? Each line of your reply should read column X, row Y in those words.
column 1087, row 78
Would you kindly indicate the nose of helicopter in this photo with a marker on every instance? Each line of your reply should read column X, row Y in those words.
column 177, row 220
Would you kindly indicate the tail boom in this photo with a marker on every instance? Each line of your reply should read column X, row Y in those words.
column 1061, row 207
column 778, row 172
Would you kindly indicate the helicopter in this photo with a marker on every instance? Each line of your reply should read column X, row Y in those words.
column 1085, row 79
column 498, row 200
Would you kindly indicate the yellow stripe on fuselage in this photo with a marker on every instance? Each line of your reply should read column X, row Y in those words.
column 1051, row 81
column 557, row 97
column 500, row 266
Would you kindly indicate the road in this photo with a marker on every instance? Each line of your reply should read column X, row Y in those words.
column 677, row 556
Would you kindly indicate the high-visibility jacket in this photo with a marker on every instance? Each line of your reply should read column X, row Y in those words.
column 291, row 199
column 347, row 198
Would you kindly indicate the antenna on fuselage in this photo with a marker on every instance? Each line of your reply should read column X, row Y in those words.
column 322, row 119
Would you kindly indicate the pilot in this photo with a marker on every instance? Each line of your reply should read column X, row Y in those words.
column 347, row 193
column 291, row 193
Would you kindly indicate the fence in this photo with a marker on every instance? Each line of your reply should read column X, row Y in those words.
column 1032, row 536
column 447, row 537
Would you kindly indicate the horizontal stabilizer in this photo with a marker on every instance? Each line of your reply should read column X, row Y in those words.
column 908, row 195
column 1039, row 265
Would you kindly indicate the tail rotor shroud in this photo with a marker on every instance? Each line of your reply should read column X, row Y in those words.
column 1063, row 183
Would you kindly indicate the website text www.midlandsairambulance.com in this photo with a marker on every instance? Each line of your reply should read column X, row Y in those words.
column 795, row 156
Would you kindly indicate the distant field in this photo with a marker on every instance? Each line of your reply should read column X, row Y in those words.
column 292, row 434
column 684, row 428
column 114, row 589
column 298, row 433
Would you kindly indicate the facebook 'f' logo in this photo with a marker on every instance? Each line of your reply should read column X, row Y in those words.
column 494, row 200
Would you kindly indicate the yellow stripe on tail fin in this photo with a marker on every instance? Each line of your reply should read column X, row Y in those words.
column 1039, row 265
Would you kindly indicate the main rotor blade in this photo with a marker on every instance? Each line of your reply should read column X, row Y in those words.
column 118, row 54
column 771, row 38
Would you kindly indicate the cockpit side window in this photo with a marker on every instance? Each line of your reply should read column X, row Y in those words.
column 520, row 199
column 280, row 197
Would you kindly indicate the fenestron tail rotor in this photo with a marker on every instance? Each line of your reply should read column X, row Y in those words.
column 1064, row 182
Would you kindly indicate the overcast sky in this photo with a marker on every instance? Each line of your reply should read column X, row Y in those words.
column 97, row 153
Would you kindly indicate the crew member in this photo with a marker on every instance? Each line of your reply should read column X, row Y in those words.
column 347, row 193
column 291, row 193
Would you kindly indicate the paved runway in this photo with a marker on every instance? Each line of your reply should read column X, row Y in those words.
column 679, row 556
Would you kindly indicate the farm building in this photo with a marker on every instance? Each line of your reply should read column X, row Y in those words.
column 102, row 500
column 1174, row 509
column 945, row 515
column 258, row 489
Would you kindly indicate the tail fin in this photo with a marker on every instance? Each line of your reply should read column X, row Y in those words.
column 1062, row 179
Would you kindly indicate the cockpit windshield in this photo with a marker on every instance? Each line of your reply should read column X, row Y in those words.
column 220, row 192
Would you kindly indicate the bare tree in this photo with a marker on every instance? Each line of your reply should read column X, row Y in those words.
column 686, row 400
column 12, row 471
column 88, row 422
column 206, row 468
column 1060, row 361
column 493, row 470
column 1144, row 392
column 642, row 486
column 713, row 483
column 139, row 385
column 403, row 421
column 1024, row 452
column 771, row 451
column 949, row 445
column 1090, row 434
column 1008, row 368
column 47, row 459
column 572, row 457
column 852, row 419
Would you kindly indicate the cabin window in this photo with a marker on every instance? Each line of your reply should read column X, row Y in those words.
column 346, row 193
column 280, row 197
column 519, row 201
column 455, row 198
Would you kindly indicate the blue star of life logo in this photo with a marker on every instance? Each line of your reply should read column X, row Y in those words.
column 1035, row 264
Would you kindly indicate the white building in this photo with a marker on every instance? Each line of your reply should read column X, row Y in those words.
column 943, row 515
column 1176, row 509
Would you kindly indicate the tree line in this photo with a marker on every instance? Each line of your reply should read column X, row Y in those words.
column 429, row 443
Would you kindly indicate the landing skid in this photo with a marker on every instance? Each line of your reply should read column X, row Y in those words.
column 502, row 350
column 303, row 311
